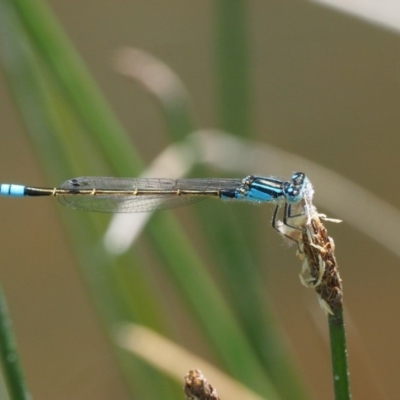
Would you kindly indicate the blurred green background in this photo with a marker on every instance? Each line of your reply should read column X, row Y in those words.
column 321, row 84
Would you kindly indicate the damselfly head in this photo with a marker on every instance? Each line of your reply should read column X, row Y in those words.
column 294, row 189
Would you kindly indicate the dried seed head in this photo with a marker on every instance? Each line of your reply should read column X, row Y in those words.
column 318, row 250
column 197, row 388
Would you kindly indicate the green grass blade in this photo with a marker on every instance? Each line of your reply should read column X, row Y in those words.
column 233, row 66
column 340, row 368
column 12, row 371
column 84, row 97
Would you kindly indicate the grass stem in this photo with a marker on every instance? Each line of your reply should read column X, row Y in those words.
column 9, row 355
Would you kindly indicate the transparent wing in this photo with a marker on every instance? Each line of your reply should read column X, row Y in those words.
column 116, row 202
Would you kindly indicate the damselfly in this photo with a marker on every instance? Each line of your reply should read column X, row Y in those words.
column 130, row 195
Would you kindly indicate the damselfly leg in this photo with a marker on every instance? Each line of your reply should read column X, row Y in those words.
column 287, row 216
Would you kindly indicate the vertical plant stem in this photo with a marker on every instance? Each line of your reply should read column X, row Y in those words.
column 340, row 366
column 8, row 348
column 233, row 66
